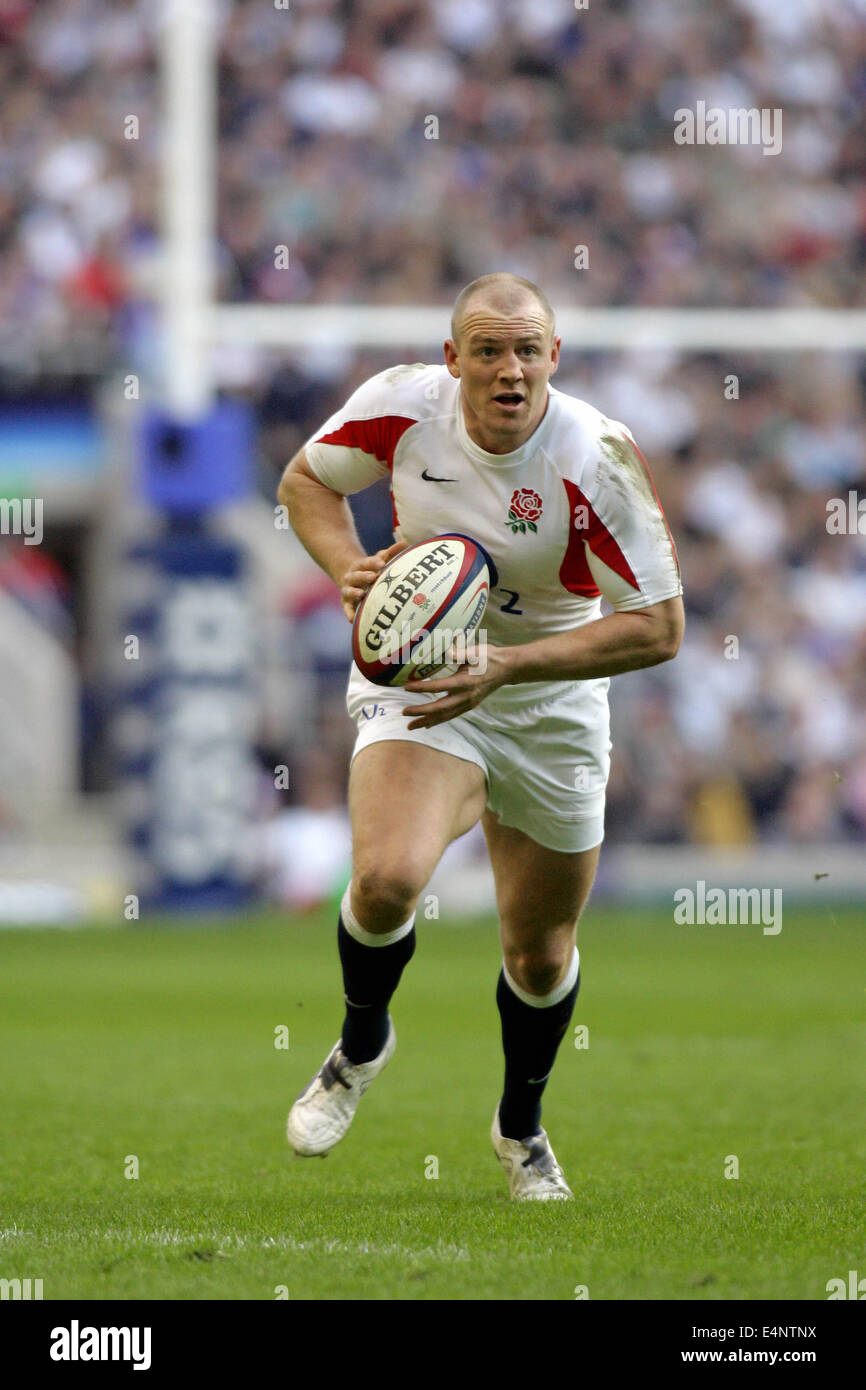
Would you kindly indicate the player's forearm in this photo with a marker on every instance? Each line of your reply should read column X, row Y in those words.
column 322, row 522
column 619, row 642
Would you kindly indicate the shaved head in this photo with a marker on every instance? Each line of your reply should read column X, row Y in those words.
column 504, row 293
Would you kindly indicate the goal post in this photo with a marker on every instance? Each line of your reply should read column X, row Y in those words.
column 189, row 144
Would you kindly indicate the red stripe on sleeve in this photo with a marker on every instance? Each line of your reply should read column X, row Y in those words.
column 574, row 572
column 379, row 436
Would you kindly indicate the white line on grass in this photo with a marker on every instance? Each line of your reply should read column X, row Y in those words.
column 442, row 1250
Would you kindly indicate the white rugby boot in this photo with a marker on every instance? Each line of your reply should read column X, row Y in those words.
column 325, row 1108
column 533, row 1172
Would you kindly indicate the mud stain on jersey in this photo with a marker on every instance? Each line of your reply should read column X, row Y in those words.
column 395, row 374
column 628, row 478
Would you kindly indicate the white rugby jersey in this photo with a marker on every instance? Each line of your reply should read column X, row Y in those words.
column 569, row 517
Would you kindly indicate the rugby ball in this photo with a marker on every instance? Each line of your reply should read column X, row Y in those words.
column 430, row 596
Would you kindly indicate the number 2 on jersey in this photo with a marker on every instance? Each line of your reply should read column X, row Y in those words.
column 510, row 606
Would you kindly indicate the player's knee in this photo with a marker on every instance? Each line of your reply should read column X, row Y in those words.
column 538, row 969
column 385, row 896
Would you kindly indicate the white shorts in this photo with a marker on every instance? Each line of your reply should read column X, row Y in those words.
column 544, row 749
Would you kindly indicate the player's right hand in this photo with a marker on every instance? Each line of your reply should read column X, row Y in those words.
column 357, row 580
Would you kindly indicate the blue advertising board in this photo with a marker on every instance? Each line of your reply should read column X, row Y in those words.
column 186, row 754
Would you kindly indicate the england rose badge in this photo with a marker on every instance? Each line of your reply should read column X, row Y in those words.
column 524, row 510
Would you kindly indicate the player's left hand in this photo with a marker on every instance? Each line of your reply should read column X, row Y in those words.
column 471, row 683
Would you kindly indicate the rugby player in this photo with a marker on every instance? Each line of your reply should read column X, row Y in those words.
column 561, row 499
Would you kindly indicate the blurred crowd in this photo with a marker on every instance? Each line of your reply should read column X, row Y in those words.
column 398, row 149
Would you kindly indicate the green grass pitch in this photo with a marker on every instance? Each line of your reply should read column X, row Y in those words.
column 704, row 1042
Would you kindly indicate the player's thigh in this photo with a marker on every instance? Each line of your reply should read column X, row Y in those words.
column 540, row 894
column 407, row 802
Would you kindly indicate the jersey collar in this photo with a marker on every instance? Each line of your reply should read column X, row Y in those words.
column 517, row 456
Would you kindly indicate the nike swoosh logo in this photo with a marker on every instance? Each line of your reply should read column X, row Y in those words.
column 428, row 479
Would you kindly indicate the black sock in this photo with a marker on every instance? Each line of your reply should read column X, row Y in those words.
column 370, row 976
column 530, row 1040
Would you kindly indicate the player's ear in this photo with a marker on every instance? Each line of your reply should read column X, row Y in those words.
column 452, row 357
column 554, row 355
